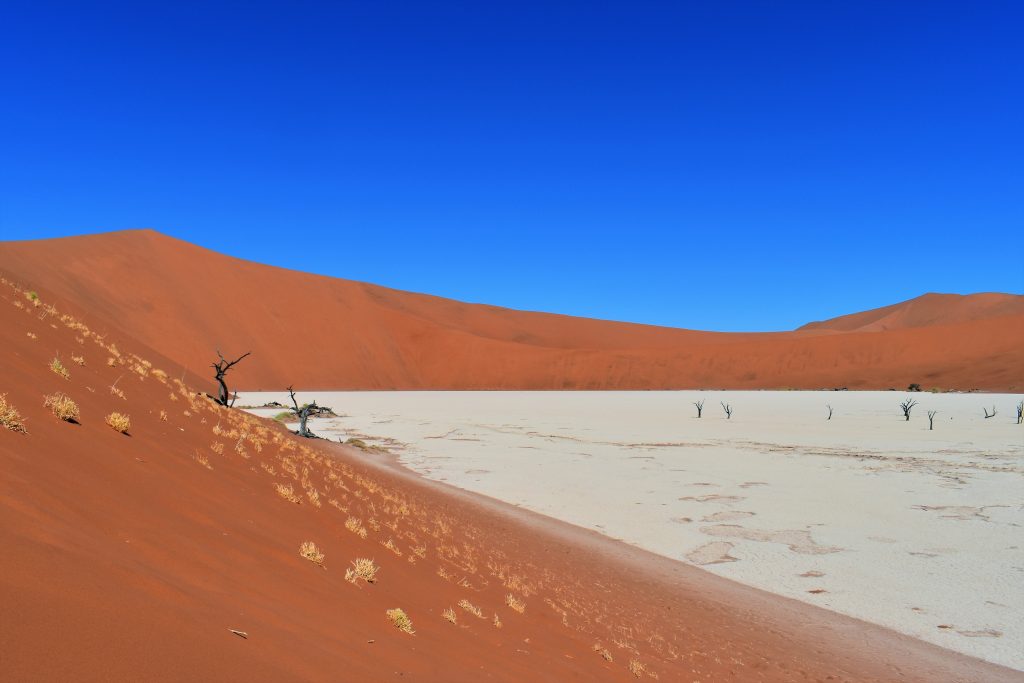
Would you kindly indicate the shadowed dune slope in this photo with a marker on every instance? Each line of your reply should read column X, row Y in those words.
column 133, row 556
column 318, row 332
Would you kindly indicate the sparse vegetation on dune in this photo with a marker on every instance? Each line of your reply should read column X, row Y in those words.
column 401, row 620
column 10, row 418
column 515, row 603
column 362, row 568
column 311, row 552
column 119, row 422
column 58, row 369
column 62, row 407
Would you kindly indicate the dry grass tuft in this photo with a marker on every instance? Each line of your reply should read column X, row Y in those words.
column 163, row 416
column 202, row 460
column 471, row 608
column 287, row 492
column 62, row 406
column 10, row 418
column 603, row 652
column 80, row 360
column 362, row 568
column 449, row 615
column 31, row 335
column 309, row 551
column 119, row 423
column 638, row 669
column 117, row 392
column 515, row 603
column 314, row 496
column 58, row 368
column 401, row 620
column 355, row 525
column 390, row 545
column 497, row 622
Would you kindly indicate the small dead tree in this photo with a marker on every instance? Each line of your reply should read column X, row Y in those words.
column 305, row 412
column 728, row 411
column 931, row 419
column 700, row 407
column 829, row 406
column 221, row 369
column 988, row 414
column 1020, row 412
column 906, row 406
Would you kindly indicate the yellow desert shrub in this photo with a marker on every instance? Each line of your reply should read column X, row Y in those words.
column 59, row 369
column 400, row 619
column 515, row 603
column 119, row 422
column 62, row 406
column 10, row 418
column 312, row 553
column 362, row 568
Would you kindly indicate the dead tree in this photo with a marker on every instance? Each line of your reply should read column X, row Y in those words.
column 931, row 419
column 728, row 411
column 829, row 410
column 906, row 406
column 988, row 414
column 1020, row 412
column 221, row 368
column 305, row 412
column 700, row 407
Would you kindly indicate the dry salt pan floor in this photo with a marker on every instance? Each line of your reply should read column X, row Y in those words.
column 865, row 513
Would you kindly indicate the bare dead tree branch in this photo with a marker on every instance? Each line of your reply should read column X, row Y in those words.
column 829, row 411
column 906, row 406
column 728, row 411
column 700, row 407
column 931, row 419
column 305, row 412
column 988, row 414
column 221, row 370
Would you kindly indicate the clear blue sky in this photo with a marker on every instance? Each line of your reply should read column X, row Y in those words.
column 715, row 165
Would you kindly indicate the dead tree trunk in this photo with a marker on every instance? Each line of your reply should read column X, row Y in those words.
column 906, row 406
column 305, row 412
column 728, row 411
column 221, row 369
column 988, row 414
column 1020, row 412
column 829, row 411
column 931, row 419
column 700, row 407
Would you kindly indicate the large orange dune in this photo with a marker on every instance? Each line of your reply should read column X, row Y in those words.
column 319, row 332
column 172, row 552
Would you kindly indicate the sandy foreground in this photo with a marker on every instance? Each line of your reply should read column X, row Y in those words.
column 865, row 514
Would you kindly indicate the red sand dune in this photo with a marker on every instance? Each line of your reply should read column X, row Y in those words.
column 925, row 311
column 130, row 557
column 325, row 333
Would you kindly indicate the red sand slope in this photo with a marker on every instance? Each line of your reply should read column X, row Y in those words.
column 185, row 301
column 129, row 557
column 927, row 310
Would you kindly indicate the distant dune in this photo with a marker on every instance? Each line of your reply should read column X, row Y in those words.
column 925, row 311
column 319, row 332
